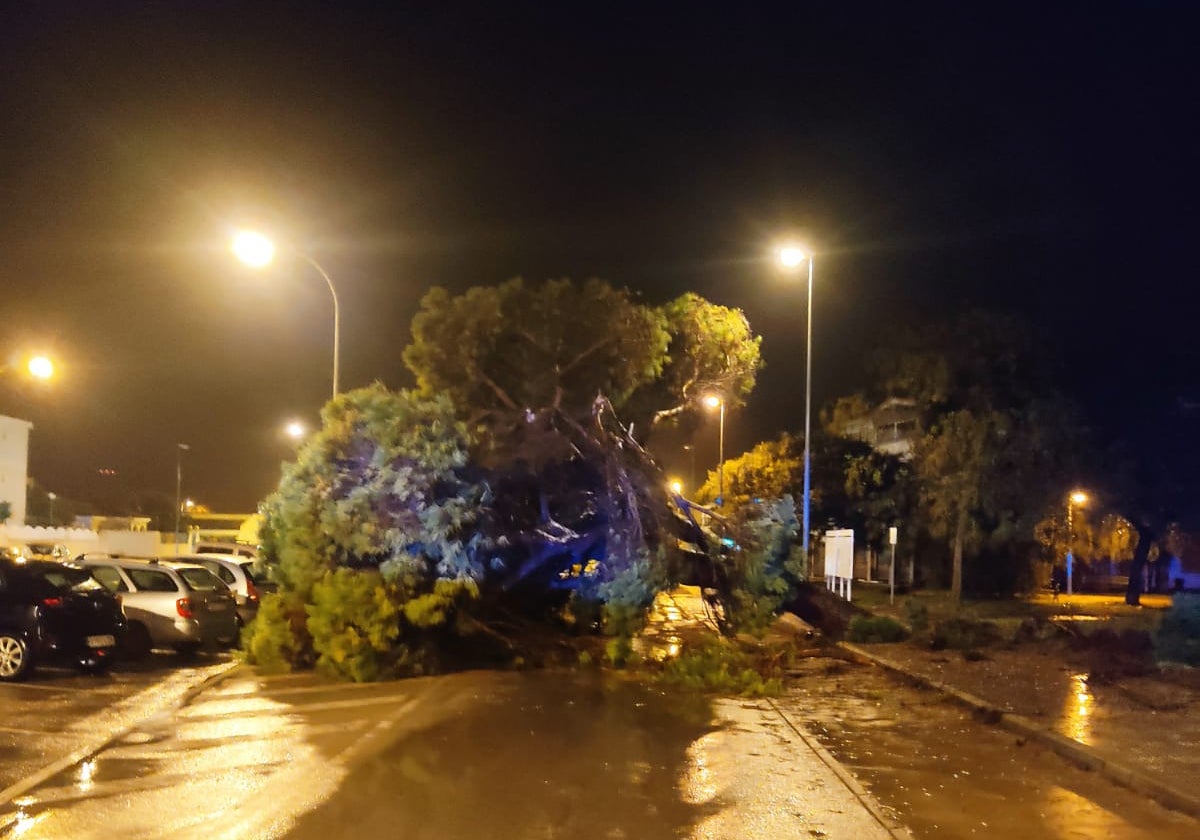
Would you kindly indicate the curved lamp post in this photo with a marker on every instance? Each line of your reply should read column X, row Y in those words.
column 791, row 257
column 257, row 251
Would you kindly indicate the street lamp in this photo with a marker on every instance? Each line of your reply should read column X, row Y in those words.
column 180, row 448
column 1077, row 497
column 713, row 401
column 50, row 497
column 676, row 486
column 40, row 367
column 791, row 257
column 257, row 251
column 294, row 430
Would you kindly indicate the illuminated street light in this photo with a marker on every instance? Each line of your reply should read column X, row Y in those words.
column 676, row 486
column 1078, row 497
column 40, row 367
column 791, row 257
column 257, row 251
column 295, row 430
column 180, row 448
column 713, row 401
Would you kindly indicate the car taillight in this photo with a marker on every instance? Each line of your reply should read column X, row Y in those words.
column 52, row 602
column 184, row 607
column 251, row 591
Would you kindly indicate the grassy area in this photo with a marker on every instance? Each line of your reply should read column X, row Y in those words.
column 939, row 605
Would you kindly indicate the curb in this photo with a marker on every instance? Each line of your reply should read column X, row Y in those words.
column 90, row 748
column 1081, row 755
column 886, row 820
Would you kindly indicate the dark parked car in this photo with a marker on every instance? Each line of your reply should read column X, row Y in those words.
column 55, row 612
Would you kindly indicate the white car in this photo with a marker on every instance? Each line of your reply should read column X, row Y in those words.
column 238, row 574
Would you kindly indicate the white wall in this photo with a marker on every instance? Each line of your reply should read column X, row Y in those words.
column 14, row 465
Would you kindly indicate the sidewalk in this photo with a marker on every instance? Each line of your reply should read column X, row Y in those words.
column 775, row 779
column 1141, row 733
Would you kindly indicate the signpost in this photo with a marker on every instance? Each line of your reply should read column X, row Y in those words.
column 839, row 561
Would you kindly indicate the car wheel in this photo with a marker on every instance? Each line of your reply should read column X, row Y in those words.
column 15, row 661
column 137, row 642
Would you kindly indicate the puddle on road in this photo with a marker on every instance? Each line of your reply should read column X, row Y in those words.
column 948, row 775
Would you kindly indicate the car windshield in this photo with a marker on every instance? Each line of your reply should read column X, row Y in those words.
column 202, row 580
column 66, row 579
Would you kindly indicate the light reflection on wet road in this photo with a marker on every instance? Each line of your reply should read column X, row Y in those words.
column 519, row 756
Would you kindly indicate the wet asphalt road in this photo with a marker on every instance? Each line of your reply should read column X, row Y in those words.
column 519, row 756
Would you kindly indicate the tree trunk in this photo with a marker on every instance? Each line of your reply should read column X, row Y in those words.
column 956, row 574
column 1141, row 554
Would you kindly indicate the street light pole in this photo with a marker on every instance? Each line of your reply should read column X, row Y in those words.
column 257, row 251
column 714, row 401
column 180, row 449
column 791, row 257
column 1073, row 499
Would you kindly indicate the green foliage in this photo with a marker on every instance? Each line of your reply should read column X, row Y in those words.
column 1177, row 638
column 771, row 470
column 720, row 666
column 712, row 350
column 372, row 518
column 917, row 614
column 277, row 641
column 518, row 346
column 875, row 628
column 963, row 634
column 626, row 599
column 764, row 569
column 354, row 622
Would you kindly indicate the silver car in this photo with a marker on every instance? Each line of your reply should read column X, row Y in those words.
column 237, row 573
column 168, row 605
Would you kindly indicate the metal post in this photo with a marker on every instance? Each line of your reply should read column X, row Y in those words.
column 337, row 318
column 808, row 406
column 721, row 457
column 180, row 449
column 1070, row 530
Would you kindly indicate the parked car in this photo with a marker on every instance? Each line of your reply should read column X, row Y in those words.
column 167, row 604
column 52, row 611
column 237, row 573
column 235, row 548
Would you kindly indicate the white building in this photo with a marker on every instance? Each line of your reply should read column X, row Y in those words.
column 14, row 465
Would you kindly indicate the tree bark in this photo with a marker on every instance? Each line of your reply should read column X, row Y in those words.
column 956, row 574
column 1141, row 554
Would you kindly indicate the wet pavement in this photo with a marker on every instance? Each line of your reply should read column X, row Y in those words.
column 948, row 774
column 473, row 755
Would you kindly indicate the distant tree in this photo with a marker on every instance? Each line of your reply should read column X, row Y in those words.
column 771, row 470
column 997, row 435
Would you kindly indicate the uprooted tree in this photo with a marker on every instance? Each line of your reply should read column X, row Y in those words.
column 506, row 490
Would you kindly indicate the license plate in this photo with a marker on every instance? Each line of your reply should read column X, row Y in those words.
column 101, row 641
column 219, row 606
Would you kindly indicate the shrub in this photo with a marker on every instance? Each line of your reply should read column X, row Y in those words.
column 277, row 640
column 763, row 570
column 354, row 621
column 917, row 614
column 964, row 635
column 875, row 628
column 1177, row 638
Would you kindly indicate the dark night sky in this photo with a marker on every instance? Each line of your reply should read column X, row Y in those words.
column 1035, row 157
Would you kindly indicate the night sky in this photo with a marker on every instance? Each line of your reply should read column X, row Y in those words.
column 1040, row 158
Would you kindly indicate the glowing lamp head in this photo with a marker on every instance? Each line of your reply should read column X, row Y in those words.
column 294, row 430
column 677, row 487
column 791, row 256
column 253, row 249
column 1079, row 497
column 712, row 401
column 40, row 367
